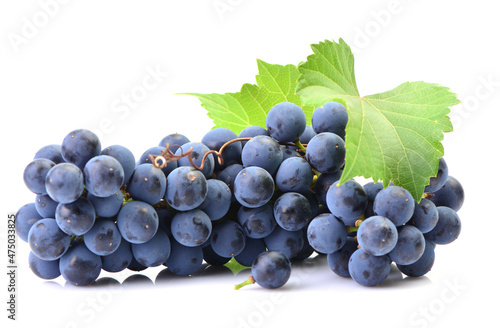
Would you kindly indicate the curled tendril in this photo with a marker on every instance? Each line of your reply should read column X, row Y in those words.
column 160, row 161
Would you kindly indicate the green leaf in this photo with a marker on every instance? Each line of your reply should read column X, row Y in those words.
column 391, row 136
column 235, row 267
column 249, row 106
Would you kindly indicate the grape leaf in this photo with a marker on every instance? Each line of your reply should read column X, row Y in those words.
column 235, row 267
column 391, row 136
column 249, row 106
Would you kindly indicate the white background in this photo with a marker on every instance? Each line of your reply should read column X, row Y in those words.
column 70, row 65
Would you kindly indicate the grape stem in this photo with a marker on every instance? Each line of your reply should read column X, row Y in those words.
column 160, row 161
column 249, row 281
column 300, row 145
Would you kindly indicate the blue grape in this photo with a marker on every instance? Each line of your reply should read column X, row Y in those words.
column 198, row 151
column 331, row 117
column 147, row 184
column 372, row 189
column 165, row 217
column 144, row 159
column 47, row 240
column 186, row 188
column 450, row 195
column 137, row 222
column 124, row 156
column 50, row 152
column 447, row 228
column 35, row 173
column 252, row 131
column 42, row 268
column 253, row 187
column 26, row 217
column 120, row 259
column 257, row 222
column 292, row 211
column 369, row 270
column 289, row 151
column 307, row 135
column 228, row 175
column 286, row 122
column 422, row 265
column 134, row 265
column 271, row 269
column 287, row 242
column 154, row 252
column 79, row 266
column 394, row 203
column 216, row 138
column 438, row 181
column 264, row 152
column 191, row 228
column 294, row 174
column 104, row 176
column 46, row 206
column 304, row 253
column 425, row 216
column 174, row 140
column 338, row 261
column 326, row 152
column 410, row 245
column 184, row 260
column 326, row 234
column 64, row 183
column 377, row 235
column 212, row 258
column 79, row 146
column 104, row 237
column 106, row 207
column 323, row 183
column 218, row 199
column 347, row 201
column 253, row 247
column 228, row 238
column 75, row 218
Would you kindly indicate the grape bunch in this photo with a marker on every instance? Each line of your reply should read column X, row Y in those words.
column 266, row 197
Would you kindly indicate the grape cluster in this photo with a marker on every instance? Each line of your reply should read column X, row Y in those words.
column 264, row 197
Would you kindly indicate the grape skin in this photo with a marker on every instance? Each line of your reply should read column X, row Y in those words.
column 286, row 122
column 377, row 235
column 326, row 152
column 137, row 222
column 64, row 183
column 75, row 218
column 186, row 188
column 104, row 176
column 331, row 117
column 394, row 203
column 271, row 269
column 147, row 184
column 79, row 266
column 292, row 211
column 26, row 217
column 347, row 201
column 326, row 233
column 191, row 228
column 228, row 239
column 35, row 173
column 264, row 152
column 104, row 238
column 47, row 240
column 369, row 270
column 79, row 146
column 253, row 187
